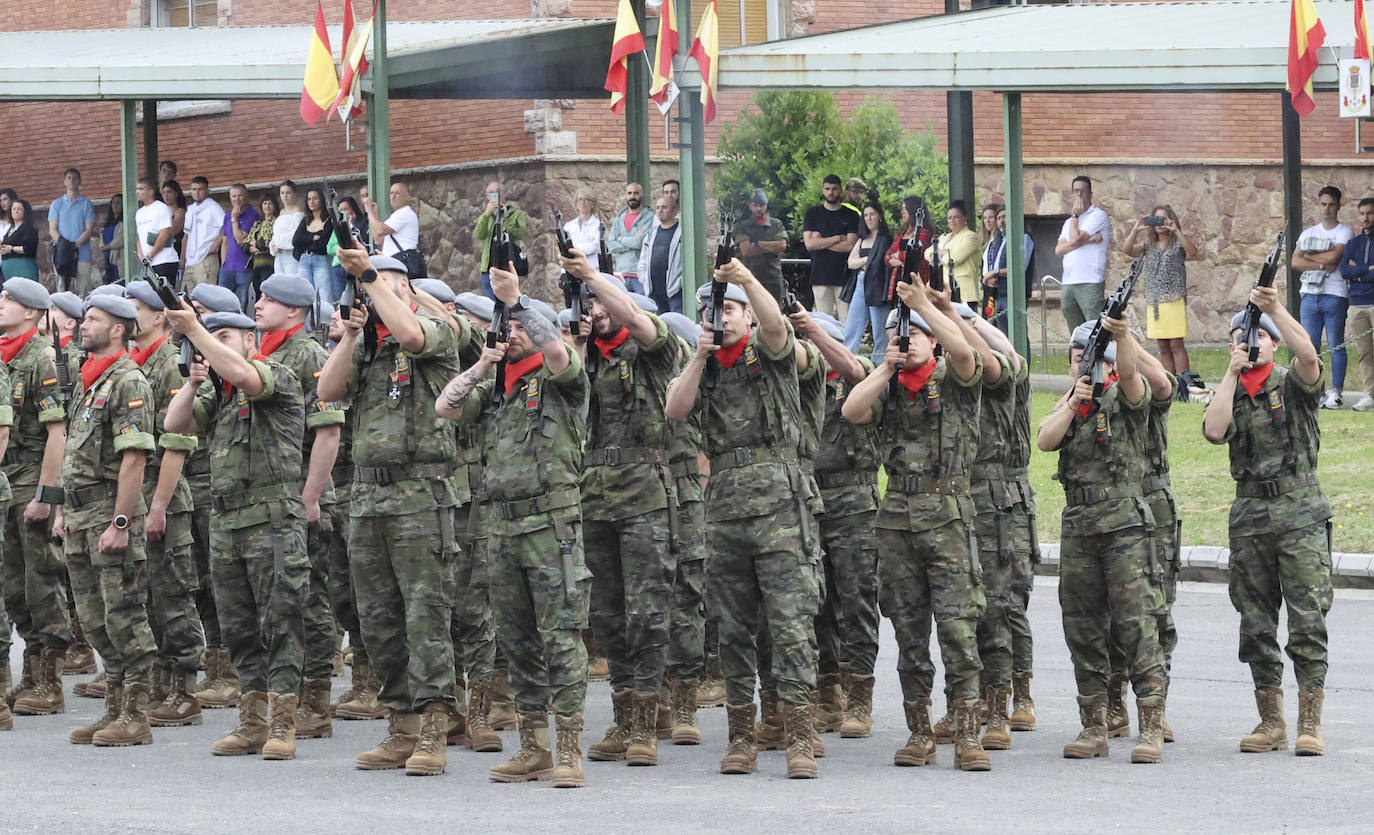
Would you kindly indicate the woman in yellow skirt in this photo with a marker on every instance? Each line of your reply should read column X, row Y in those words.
column 1158, row 239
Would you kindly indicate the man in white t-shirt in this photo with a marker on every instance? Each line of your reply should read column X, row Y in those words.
column 204, row 236
column 400, row 231
column 154, row 223
column 1325, row 298
column 1083, row 244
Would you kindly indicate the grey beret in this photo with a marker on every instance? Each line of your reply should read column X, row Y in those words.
column 106, row 290
column 565, row 317
column 916, row 319
column 290, row 290
column 1265, row 322
column 28, row 292
column 831, row 328
column 217, row 298
column 143, row 292
column 220, row 320
column 824, row 317
column 1080, row 340
column 644, row 302
column 386, row 262
column 69, row 303
column 544, row 309
column 682, row 326
column 478, row 305
column 759, row 196
column 116, row 306
column 964, row 311
column 436, row 288
column 733, row 293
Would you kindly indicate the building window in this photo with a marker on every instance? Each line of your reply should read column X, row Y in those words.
column 746, row 21
column 187, row 13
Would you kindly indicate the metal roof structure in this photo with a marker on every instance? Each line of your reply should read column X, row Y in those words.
column 1214, row 45
column 433, row 59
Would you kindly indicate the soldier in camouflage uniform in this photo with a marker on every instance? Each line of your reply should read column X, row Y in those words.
column 252, row 416
column 35, row 599
column 110, row 436
column 171, row 565
column 280, row 313
column 540, row 585
column 1280, row 521
column 405, row 491
column 928, row 560
column 759, row 543
column 6, row 423
column 1109, row 575
column 1025, row 546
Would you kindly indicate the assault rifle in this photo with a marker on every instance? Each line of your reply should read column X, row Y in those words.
column 571, row 286
column 1098, row 340
column 911, row 263
column 345, row 233
column 64, row 374
column 172, row 301
column 502, row 253
column 604, row 259
column 1266, row 279
column 724, row 255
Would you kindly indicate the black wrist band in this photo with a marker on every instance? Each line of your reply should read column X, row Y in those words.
column 368, row 276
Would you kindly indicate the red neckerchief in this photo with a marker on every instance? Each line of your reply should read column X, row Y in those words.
column 273, row 341
column 914, row 379
column 631, row 218
column 521, row 368
column 763, row 222
column 1084, row 408
column 831, row 375
column 141, row 356
column 383, row 331
column 62, row 341
column 606, row 346
column 96, row 366
column 10, row 346
column 1255, row 378
column 730, row 354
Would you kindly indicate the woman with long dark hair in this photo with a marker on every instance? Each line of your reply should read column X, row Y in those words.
column 868, row 305
column 259, row 242
column 916, row 232
column 175, row 199
column 357, row 219
column 311, row 243
column 20, row 247
column 1158, row 239
column 112, row 238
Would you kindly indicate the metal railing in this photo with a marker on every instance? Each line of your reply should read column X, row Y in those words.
column 1045, row 321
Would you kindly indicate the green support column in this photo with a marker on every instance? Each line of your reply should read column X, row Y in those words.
column 692, row 162
column 959, row 135
column 1292, row 193
column 637, row 115
column 1016, row 223
column 128, row 177
column 379, row 114
column 150, row 155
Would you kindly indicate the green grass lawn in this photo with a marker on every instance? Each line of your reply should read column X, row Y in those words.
column 1209, row 361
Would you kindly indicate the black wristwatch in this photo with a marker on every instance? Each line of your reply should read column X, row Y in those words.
column 121, row 522
column 522, row 303
column 368, row 276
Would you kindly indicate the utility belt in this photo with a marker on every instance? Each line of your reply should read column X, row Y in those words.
column 1093, row 495
column 1016, row 473
column 1154, row 482
column 688, row 468
column 913, row 484
column 1277, row 487
column 992, row 471
column 845, row 478
column 744, row 456
column 257, row 495
column 96, row 493
column 614, row 456
column 539, row 504
column 382, row 476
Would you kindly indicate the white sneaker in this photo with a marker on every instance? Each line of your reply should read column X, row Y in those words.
column 1332, row 400
column 1366, row 404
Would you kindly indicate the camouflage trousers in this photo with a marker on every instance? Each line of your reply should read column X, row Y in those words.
column 633, row 573
column 687, row 617
column 471, row 627
column 6, row 634
column 260, row 575
column 402, row 570
column 342, row 601
column 111, row 592
column 1025, row 543
column 317, row 662
column 539, row 616
column 35, row 598
column 1166, row 533
column 172, row 585
column 1291, row 569
column 205, row 587
column 847, row 626
column 1110, row 582
column 992, row 527
column 758, row 569
column 935, row 575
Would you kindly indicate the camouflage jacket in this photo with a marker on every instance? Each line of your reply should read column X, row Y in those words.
column 305, row 357
column 930, row 441
column 165, row 379
column 766, row 268
column 684, row 446
column 996, row 428
column 1156, row 486
column 470, row 436
column 1274, row 443
column 34, row 400
column 115, row 415
column 6, row 422
column 1102, row 467
column 847, row 467
column 1019, row 444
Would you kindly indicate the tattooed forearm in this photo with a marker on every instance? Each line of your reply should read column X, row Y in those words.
column 460, row 387
column 543, row 333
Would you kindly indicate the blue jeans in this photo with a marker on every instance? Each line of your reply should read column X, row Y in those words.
column 238, row 281
column 338, row 280
column 316, row 270
column 634, row 285
column 486, row 286
column 286, row 264
column 861, row 314
column 1323, row 311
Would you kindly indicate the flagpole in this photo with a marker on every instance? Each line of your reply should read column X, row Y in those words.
column 379, row 114
column 637, row 113
column 691, row 162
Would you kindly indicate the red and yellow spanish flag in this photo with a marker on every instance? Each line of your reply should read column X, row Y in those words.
column 628, row 40
column 664, row 51
column 350, row 100
column 705, row 49
column 1361, row 31
column 321, row 79
column 1305, row 37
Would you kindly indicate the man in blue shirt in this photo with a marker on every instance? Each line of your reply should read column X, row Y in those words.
column 72, row 217
column 1357, row 268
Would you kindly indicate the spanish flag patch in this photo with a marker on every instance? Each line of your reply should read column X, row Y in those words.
column 317, row 374
column 136, row 403
column 51, row 381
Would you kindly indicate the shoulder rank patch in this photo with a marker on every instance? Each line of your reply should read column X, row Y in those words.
column 129, row 430
column 136, row 403
column 51, row 381
column 317, row 373
column 175, row 391
column 47, row 404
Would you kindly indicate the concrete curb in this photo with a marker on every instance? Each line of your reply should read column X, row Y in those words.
column 1212, row 564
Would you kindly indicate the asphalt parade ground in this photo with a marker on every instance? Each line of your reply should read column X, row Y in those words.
column 1203, row 785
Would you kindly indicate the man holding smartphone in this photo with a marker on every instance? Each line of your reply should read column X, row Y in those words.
column 516, row 222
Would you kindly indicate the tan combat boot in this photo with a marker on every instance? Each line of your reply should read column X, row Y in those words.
column 131, row 726
column 642, row 746
column 458, row 716
column 769, row 736
column 613, row 745
column 534, row 760
column 685, row 730
column 159, row 685
column 480, row 736
column 997, row 737
column 968, row 751
column 6, row 718
column 741, row 751
column 502, row 713
column 93, row 689
column 944, row 730
column 281, row 728
column 1118, row 718
column 402, row 732
column 920, row 746
column 1092, row 740
column 251, row 733
column 830, row 704
column 221, row 685
column 598, row 669
column 801, row 731
column 663, row 712
column 567, row 770
column 360, row 702
column 337, row 667
column 1149, row 747
column 1310, row 742
column 179, row 708
column 114, row 704
column 711, row 691
column 858, row 714
column 45, row 698
column 1271, row 734
column 350, row 693
column 14, row 690
column 430, row 756
column 1023, row 706
column 79, row 659
column 313, row 719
